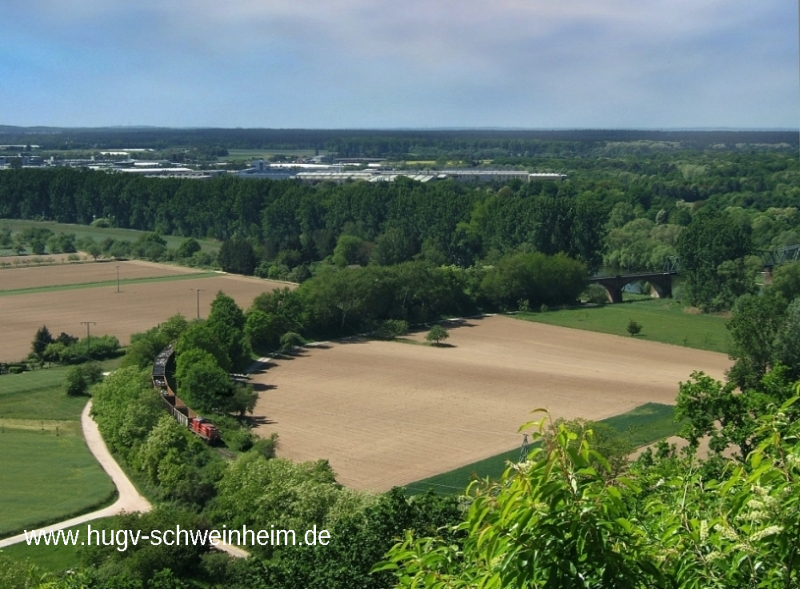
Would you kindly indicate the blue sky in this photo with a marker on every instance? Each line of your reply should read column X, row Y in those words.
column 416, row 63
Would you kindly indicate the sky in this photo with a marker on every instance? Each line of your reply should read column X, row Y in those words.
column 537, row 64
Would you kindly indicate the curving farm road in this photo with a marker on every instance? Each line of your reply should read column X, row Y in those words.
column 129, row 500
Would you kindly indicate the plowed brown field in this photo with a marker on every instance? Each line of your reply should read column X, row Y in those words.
column 388, row 413
column 136, row 308
column 33, row 277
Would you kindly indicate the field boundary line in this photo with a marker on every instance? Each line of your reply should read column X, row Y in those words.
column 129, row 281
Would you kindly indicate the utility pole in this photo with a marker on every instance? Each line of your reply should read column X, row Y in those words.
column 88, row 337
column 198, row 291
column 117, row 278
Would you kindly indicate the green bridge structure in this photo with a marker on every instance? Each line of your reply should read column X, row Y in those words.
column 662, row 281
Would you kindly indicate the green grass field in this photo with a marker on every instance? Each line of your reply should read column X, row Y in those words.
column 48, row 473
column 662, row 321
column 37, row 395
column 646, row 424
column 23, row 291
column 99, row 233
column 47, row 478
column 50, row 558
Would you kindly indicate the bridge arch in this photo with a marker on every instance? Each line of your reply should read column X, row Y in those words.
column 660, row 281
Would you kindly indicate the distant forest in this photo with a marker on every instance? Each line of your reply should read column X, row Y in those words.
column 392, row 143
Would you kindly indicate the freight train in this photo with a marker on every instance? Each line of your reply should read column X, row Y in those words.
column 177, row 408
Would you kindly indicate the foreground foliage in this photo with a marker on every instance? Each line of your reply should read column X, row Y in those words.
column 555, row 521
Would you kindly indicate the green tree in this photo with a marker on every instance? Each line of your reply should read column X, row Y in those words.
column 259, row 493
column 393, row 247
column 94, row 250
column 202, row 383
column 726, row 416
column 75, row 384
column 786, row 346
column 754, row 325
column 786, row 280
column 437, row 334
column 187, row 248
column 126, row 407
column 349, row 250
column 633, row 328
column 238, row 256
column 199, row 336
column 262, row 329
column 290, row 340
column 144, row 347
column 227, row 321
column 41, row 340
column 712, row 251
column 537, row 278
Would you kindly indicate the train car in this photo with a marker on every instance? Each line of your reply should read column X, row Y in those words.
column 178, row 409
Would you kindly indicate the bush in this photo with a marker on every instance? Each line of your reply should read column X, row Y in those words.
column 266, row 446
column 80, row 378
column 392, row 328
column 535, row 277
column 595, row 294
column 75, row 384
column 291, row 340
column 102, row 223
column 634, row 328
column 16, row 369
column 238, row 440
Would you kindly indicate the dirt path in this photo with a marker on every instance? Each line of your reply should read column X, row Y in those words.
column 391, row 413
column 129, row 500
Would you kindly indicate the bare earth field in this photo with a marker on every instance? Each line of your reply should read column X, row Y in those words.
column 33, row 277
column 136, row 308
column 388, row 413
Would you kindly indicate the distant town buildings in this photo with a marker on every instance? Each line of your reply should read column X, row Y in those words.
column 313, row 170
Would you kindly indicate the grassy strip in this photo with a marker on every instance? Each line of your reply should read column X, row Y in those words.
column 49, row 404
column 52, row 558
column 646, row 424
column 662, row 321
column 37, row 396
column 43, row 289
column 48, row 478
column 101, row 233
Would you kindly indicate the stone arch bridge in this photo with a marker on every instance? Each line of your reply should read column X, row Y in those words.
column 660, row 281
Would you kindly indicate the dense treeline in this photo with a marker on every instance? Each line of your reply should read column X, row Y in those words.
column 378, row 143
column 294, row 224
column 625, row 212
